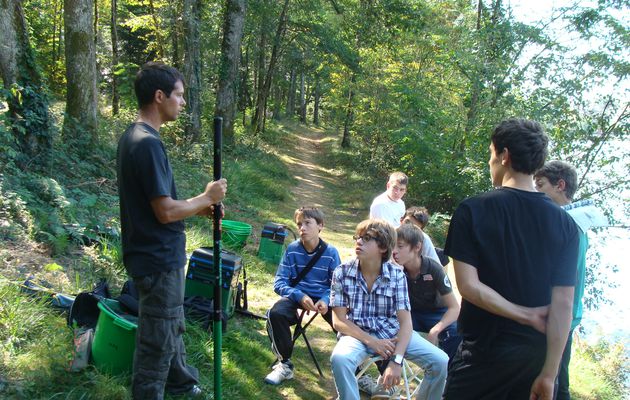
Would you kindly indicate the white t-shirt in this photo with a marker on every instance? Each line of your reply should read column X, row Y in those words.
column 428, row 250
column 385, row 208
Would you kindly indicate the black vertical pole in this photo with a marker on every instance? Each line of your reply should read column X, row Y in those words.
column 217, row 323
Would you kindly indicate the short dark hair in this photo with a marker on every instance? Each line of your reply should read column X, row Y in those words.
column 309, row 212
column 410, row 234
column 383, row 232
column 154, row 76
column 525, row 140
column 556, row 170
column 420, row 214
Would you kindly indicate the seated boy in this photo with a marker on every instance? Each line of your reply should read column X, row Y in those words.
column 419, row 216
column 434, row 308
column 309, row 290
column 371, row 313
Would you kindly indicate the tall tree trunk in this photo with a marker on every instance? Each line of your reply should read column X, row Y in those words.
column 291, row 96
column 317, row 96
column 95, row 22
column 28, row 115
column 243, row 99
column 278, row 96
column 230, row 58
column 263, row 92
column 157, row 30
column 114, row 32
column 302, row 98
column 176, row 33
column 259, row 71
column 345, row 140
column 192, row 67
column 80, row 122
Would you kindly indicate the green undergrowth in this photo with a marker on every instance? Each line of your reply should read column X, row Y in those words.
column 62, row 226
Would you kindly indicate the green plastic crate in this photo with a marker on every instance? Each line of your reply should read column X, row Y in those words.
column 271, row 245
column 200, row 279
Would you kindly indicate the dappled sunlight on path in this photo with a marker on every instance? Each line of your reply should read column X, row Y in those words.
column 321, row 187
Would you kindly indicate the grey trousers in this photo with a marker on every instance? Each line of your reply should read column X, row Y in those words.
column 159, row 362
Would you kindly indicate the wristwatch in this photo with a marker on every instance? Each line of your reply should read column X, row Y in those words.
column 398, row 359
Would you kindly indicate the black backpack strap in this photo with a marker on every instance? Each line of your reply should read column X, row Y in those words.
column 320, row 250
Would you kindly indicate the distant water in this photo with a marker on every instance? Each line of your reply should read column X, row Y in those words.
column 611, row 320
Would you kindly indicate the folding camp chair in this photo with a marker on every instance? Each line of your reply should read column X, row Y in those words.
column 300, row 330
column 410, row 379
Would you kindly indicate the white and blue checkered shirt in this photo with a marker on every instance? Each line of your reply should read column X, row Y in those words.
column 375, row 311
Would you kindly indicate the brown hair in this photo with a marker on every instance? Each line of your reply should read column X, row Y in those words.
column 382, row 231
column 309, row 212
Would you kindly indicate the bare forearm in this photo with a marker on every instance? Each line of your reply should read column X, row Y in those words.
column 483, row 296
column 558, row 327
column 168, row 210
column 404, row 334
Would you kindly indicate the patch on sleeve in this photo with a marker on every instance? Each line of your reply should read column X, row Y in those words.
column 447, row 282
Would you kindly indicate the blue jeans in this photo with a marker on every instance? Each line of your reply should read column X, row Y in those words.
column 448, row 339
column 349, row 352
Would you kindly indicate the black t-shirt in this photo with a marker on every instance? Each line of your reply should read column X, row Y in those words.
column 144, row 174
column 522, row 245
column 426, row 290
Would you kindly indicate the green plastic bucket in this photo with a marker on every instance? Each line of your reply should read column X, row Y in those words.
column 235, row 233
column 114, row 339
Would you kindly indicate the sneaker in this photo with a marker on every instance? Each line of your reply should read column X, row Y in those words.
column 281, row 372
column 366, row 384
column 194, row 393
column 380, row 392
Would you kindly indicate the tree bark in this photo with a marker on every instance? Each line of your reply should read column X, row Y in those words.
column 345, row 140
column 302, row 98
column 80, row 122
column 317, row 97
column 28, row 116
column 234, row 20
column 157, row 30
column 261, row 101
column 291, row 96
column 114, row 33
column 192, row 67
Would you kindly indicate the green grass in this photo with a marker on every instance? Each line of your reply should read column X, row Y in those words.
column 35, row 343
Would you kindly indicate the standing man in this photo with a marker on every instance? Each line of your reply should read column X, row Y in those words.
column 389, row 205
column 515, row 257
column 153, row 238
column 303, row 281
column 558, row 180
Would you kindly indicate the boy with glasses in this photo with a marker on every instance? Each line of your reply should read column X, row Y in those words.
column 371, row 313
column 303, row 281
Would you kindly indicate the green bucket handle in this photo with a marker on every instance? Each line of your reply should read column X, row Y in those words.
column 120, row 322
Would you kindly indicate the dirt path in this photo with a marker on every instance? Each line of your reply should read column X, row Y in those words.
column 320, row 187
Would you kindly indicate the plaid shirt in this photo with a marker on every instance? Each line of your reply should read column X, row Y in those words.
column 375, row 311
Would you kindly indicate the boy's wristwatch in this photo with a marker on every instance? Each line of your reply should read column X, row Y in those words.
column 398, row 359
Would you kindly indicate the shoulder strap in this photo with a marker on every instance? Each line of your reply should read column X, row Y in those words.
column 320, row 250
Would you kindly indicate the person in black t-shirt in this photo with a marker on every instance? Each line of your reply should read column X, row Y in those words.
column 434, row 308
column 515, row 257
column 153, row 238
